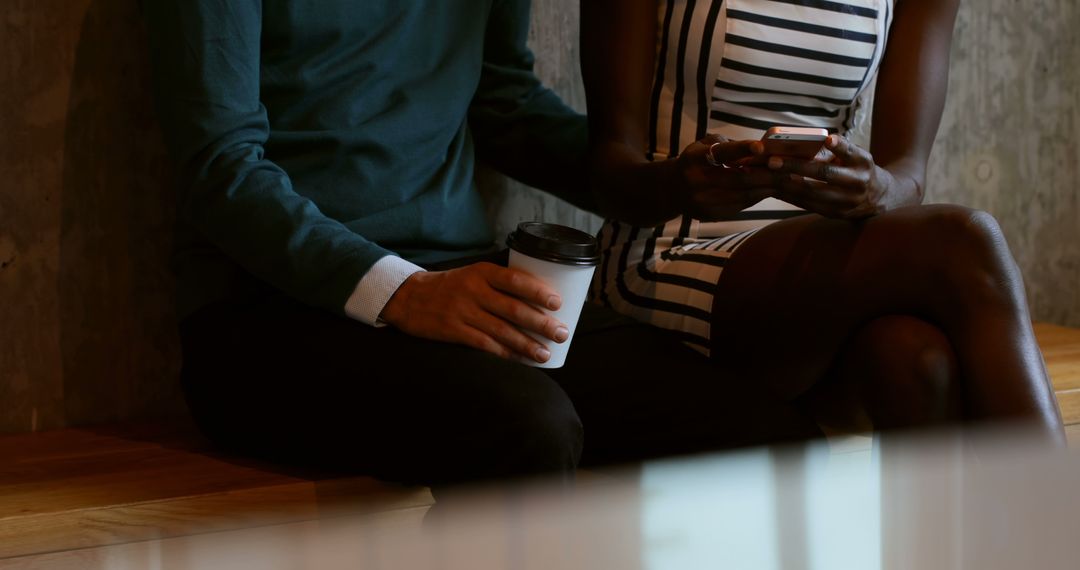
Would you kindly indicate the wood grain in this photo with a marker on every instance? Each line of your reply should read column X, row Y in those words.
column 79, row 488
column 282, row 547
column 1061, row 349
column 1072, row 434
column 1069, row 402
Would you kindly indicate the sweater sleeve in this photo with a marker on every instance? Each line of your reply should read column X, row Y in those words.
column 521, row 127
column 206, row 57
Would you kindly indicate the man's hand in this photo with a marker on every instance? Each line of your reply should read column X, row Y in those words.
column 483, row 305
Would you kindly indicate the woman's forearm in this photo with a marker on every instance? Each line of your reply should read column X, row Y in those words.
column 631, row 189
column 618, row 57
column 909, row 182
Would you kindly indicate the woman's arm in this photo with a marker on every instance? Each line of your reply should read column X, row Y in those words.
column 618, row 56
column 619, row 39
column 911, row 88
column 912, row 84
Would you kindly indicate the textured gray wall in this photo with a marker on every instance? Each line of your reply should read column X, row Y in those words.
column 1009, row 142
column 86, row 330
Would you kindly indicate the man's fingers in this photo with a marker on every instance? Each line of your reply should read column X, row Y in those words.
column 509, row 336
column 523, row 286
column 474, row 337
column 525, row 316
column 463, row 306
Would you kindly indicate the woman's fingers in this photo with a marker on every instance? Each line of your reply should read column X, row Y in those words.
column 744, row 178
column 821, row 198
column 848, row 187
column 848, row 152
column 825, row 155
column 720, row 151
column 829, row 172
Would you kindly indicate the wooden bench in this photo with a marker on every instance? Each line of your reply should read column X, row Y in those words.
column 83, row 488
column 1061, row 349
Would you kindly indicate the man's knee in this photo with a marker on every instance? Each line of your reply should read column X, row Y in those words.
column 538, row 429
column 550, row 436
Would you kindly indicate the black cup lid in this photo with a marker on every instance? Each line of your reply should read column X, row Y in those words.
column 555, row 243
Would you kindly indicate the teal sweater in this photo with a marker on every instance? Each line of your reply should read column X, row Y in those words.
column 314, row 137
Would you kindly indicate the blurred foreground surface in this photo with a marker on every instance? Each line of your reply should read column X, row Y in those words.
column 995, row 500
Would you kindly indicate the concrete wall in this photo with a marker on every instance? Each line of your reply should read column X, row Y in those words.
column 86, row 328
column 1010, row 139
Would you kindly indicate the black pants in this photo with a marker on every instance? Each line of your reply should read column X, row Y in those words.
column 272, row 378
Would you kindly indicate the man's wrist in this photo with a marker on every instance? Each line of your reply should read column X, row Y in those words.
column 376, row 287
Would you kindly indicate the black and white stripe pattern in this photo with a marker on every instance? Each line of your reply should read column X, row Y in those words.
column 734, row 68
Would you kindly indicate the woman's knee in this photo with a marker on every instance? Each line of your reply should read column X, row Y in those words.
column 966, row 252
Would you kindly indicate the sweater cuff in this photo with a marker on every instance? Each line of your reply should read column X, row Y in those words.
column 376, row 287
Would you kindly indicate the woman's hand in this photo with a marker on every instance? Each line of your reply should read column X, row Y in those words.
column 850, row 186
column 714, row 181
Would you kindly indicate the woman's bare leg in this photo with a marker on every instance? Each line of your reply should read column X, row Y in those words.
column 791, row 297
column 895, row 372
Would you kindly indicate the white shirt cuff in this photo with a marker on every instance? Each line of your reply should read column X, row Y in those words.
column 376, row 287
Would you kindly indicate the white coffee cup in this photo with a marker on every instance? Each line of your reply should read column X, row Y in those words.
column 565, row 259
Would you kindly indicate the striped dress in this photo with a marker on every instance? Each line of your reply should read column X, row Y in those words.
column 734, row 68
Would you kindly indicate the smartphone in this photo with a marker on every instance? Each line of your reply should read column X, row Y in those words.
column 800, row 142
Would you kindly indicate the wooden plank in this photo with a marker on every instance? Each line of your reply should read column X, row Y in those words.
column 134, row 476
column 82, row 488
column 1061, row 350
column 246, row 508
column 287, row 546
column 44, row 475
column 1072, row 434
column 50, row 445
column 1069, row 402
